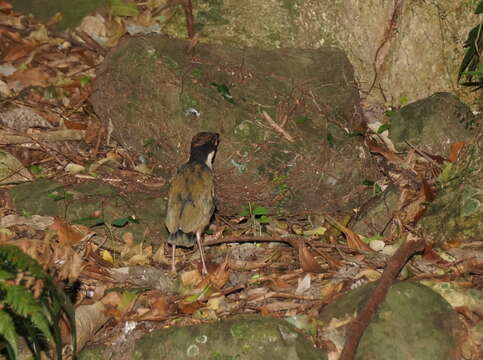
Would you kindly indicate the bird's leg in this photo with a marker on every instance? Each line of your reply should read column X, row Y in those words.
column 173, row 262
column 204, row 271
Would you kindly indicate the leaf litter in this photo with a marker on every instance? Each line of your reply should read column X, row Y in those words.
column 267, row 264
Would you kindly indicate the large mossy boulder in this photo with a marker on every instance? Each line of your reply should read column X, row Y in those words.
column 94, row 204
column 243, row 338
column 458, row 207
column 286, row 118
column 71, row 12
column 413, row 322
column 433, row 124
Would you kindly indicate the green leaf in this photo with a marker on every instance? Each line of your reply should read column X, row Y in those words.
column 264, row 219
column 36, row 169
column 57, row 196
column 367, row 240
column 403, row 100
column 383, row 128
column 84, row 80
column 368, row 182
column 390, row 113
column 377, row 188
column 330, row 140
column 355, row 133
column 124, row 8
column 89, row 221
column 470, row 206
column 447, row 173
column 479, row 8
column 7, row 331
column 259, row 211
column 123, row 221
column 224, row 90
column 245, row 210
column 301, row 119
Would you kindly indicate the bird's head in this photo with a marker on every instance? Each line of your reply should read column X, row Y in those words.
column 203, row 147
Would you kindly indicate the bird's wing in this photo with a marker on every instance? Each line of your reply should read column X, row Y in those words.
column 190, row 199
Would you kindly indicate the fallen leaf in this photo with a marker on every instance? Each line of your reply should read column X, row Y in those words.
column 303, row 284
column 5, row 5
column 106, row 256
column 68, row 235
column 307, row 260
column 190, row 307
column 17, row 52
column 220, row 276
column 31, row 77
column 353, row 240
column 455, row 150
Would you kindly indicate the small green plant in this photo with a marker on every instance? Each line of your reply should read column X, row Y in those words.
column 376, row 188
column 31, row 305
column 471, row 67
column 257, row 215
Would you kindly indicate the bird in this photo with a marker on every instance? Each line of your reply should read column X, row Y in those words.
column 191, row 196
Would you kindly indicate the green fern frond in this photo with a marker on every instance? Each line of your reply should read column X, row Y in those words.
column 23, row 303
column 7, row 332
column 12, row 256
column 36, row 317
column 6, row 275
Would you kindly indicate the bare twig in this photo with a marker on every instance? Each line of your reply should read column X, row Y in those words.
column 7, row 138
column 287, row 240
column 356, row 328
column 277, row 127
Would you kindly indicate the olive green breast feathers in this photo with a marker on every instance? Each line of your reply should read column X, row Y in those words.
column 190, row 203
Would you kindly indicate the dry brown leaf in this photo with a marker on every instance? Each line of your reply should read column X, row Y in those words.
column 72, row 263
column 190, row 308
column 279, row 284
column 160, row 309
column 307, row 260
column 220, row 276
column 389, row 155
column 242, row 265
column 37, row 249
column 455, row 150
column 330, row 289
column 143, row 257
column 353, row 240
column 369, row 274
column 5, row 5
column 17, row 52
column 264, row 311
column 190, row 278
column 77, row 125
column 11, row 21
column 31, row 77
column 68, row 235
column 282, row 306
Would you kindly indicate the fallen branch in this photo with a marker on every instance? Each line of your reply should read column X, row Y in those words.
column 356, row 328
column 287, row 240
column 277, row 127
column 7, row 138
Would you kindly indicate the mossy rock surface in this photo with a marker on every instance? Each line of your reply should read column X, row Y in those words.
column 413, row 322
column 71, row 11
column 77, row 203
column 432, row 124
column 458, row 207
column 245, row 338
column 157, row 97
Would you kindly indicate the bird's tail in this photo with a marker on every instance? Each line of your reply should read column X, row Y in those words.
column 180, row 238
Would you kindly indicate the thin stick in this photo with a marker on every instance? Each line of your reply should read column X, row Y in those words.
column 356, row 328
column 277, row 127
